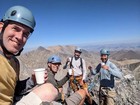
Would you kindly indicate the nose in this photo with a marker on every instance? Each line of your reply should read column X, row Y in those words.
column 19, row 36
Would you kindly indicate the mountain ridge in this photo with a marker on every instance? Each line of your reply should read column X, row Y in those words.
column 130, row 67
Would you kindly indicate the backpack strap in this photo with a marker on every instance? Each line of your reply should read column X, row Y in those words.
column 17, row 63
column 71, row 62
column 81, row 63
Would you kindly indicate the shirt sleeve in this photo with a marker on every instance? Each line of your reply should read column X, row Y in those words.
column 115, row 71
column 96, row 70
column 84, row 70
column 30, row 99
column 63, row 81
column 67, row 63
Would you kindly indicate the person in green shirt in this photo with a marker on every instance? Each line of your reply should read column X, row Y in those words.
column 76, row 98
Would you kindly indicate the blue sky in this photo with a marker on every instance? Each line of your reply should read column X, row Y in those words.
column 67, row 22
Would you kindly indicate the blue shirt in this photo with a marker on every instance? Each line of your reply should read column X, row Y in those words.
column 107, row 76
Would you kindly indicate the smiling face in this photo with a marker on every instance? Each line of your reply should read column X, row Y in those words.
column 77, row 54
column 104, row 57
column 15, row 36
column 54, row 67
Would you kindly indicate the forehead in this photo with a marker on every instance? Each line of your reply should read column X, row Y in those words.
column 77, row 52
column 20, row 26
column 56, row 63
column 103, row 55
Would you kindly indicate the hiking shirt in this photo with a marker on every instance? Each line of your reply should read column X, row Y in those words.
column 76, row 66
column 9, row 72
column 57, row 84
column 107, row 76
column 9, row 79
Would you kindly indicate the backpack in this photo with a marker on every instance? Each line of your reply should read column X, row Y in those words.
column 80, row 62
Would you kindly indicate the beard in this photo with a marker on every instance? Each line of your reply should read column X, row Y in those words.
column 77, row 57
column 104, row 60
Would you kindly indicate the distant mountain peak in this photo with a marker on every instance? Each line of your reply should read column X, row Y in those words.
column 41, row 48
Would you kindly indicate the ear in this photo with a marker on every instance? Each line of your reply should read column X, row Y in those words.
column 49, row 64
column 1, row 25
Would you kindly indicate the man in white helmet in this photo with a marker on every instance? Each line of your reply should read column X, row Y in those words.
column 15, row 28
column 107, row 71
column 79, row 72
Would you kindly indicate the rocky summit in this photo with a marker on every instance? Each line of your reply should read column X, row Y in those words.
column 128, row 88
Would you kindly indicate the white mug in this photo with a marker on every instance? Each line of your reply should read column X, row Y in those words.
column 39, row 74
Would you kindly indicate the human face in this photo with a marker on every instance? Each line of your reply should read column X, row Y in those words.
column 77, row 54
column 55, row 67
column 15, row 36
column 104, row 57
